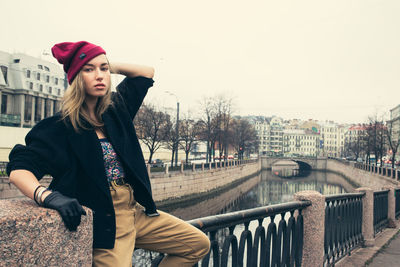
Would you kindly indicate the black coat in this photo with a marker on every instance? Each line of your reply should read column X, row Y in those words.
column 75, row 160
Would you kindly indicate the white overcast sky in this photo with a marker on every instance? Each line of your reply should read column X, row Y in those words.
column 327, row 60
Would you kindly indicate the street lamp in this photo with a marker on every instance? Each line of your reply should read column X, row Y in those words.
column 177, row 127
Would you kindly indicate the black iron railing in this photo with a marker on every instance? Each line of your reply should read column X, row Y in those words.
column 343, row 226
column 397, row 202
column 271, row 243
column 380, row 210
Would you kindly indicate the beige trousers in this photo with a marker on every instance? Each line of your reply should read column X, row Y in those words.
column 183, row 243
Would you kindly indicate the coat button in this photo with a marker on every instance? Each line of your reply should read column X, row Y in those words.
column 108, row 230
column 108, row 214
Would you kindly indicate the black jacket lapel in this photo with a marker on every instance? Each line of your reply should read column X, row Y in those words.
column 88, row 150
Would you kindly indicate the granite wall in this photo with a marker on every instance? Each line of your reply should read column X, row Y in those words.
column 34, row 236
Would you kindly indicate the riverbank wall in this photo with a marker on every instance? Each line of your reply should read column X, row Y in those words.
column 359, row 177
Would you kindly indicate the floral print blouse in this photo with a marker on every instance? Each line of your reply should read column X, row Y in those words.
column 112, row 164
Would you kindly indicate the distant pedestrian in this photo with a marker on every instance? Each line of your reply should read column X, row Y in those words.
column 91, row 150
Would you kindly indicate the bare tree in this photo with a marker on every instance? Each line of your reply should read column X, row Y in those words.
column 355, row 145
column 223, row 106
column 393, row 139
column 152, row 127
column 171, row 139
column 189, row 131
column 376, row 136
column 243, row 136
column 208, row 125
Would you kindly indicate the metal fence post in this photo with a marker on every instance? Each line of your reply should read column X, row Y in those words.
column 368, row 216
column 314, row 228
column 166, row 168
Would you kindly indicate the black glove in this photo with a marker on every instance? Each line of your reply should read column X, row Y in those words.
column 69, row 209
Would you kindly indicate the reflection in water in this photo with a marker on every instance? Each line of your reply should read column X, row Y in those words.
column 273, row 190
column 267, row 189
column 285, row 168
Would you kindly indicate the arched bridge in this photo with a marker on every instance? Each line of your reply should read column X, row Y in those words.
column 304, row 163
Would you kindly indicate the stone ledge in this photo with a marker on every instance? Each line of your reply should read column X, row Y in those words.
column 34, row 236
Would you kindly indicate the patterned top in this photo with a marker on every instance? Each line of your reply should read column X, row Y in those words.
column 112, row 164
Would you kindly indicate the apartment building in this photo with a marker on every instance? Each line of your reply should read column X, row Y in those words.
column 394, row 122
column 300, row 142
column 263, row 130
column 333, row 139
column 276, row 137
column 31, row 89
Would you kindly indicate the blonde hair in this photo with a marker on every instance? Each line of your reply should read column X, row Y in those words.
column 73, row 105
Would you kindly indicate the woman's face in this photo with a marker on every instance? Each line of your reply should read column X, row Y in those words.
column 96, row 76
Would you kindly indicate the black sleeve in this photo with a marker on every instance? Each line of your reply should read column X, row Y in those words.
column 36, row 156
column 132, row 92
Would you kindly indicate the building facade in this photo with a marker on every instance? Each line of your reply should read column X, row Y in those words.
column 333, row 139
column 31, row 89
column 270, row 136
column 394, row 122
column 300, row 143
column 263, row 134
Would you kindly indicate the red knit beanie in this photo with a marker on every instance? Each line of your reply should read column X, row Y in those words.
column 74, row 55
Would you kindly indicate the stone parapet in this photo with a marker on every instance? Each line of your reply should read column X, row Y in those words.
column 368, row 216
column 34, row 236
column 391, row 207
column 360, row 177
column 180, row 184
column 314, row 228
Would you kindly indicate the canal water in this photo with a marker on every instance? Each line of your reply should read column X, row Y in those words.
column 269, row 187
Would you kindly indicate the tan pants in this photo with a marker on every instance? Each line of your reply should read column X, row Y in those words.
column 184, row 244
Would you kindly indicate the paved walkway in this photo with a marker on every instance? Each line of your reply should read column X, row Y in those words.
column 385, row 252
column 389, row 255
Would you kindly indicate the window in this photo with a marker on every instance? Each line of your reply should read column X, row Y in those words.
column 47, row 78
column 58, row 91
column 16, row 60
column 28, row 74
column 56, row 81
column 28, row 108
column 38, row 109
column 56, row 106
column 50, row 90
column 38, row 76
column 46, row 68
column 4, row 70
column 40, row 67
column 31, row 85
column 41, row 87
column 47, row 108
column 3, row 104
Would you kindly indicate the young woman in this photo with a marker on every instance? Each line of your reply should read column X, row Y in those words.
column 91, row 150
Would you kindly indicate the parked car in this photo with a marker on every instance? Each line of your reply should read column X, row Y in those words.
column 157, row 163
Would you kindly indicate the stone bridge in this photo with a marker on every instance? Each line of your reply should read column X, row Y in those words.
column 304, row 163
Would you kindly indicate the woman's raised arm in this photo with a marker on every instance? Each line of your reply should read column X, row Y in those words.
column 132, row 70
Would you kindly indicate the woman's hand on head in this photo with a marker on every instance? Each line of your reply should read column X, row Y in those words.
column 131, row 70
